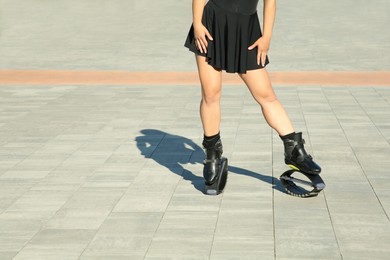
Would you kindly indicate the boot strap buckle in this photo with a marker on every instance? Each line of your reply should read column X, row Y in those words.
column 208, row 161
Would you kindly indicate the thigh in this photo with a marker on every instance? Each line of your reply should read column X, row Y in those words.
column 210, row 77
column 259, row 84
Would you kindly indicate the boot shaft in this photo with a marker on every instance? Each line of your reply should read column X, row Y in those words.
column 296, row 156
column 213, row 151
column 294, row 147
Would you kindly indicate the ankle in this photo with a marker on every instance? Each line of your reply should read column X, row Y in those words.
column 210, row 141
column 288, row 136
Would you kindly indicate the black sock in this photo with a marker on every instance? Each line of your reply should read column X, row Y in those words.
column 210, row 141
column 288, row 136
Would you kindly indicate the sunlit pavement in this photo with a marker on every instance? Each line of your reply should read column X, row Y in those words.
column 101, row 161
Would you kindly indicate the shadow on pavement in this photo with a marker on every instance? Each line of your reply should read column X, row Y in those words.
column 173, row 151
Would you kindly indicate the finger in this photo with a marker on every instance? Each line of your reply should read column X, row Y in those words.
column 199, row 46
column 252, row 46
column 196, row 44
column 204, row 49
column 258, row 58
column 263, row 57
column 204, row 40
column 209, row 35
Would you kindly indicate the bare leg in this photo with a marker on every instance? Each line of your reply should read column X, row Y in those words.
column 259, row 85
column 211, row 81
column 215, row 167
column 296, row 156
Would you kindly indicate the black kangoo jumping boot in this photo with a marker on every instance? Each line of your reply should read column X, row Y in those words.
column 215, row 168
column 296, row 156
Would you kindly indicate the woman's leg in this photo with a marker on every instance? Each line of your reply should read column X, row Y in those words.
column 211, row 82
column 259, row 85
column 296, row 157
column 210, row 113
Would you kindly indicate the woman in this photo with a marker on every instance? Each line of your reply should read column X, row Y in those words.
column 226, row 35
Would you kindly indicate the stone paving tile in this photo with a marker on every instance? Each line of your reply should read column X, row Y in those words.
column 297, row 223
column 243, row 225
column 242, row 248
column 187, row 234
column 123, row 235
column 114, row 257
column 188, row 248
column 52, row 243
column 18, row 228
column 193, row 202
column 40, row 201
column 69, row 218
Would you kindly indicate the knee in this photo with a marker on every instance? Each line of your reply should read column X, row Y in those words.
column 211, row 96
column 271, row 98
column 266, row 98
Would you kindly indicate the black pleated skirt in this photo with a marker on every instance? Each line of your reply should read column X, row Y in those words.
column 233, row 33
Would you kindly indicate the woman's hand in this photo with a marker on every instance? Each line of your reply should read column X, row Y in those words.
column 262, row 45
column 200, row 33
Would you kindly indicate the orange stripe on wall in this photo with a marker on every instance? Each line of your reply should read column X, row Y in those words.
column 76, row 77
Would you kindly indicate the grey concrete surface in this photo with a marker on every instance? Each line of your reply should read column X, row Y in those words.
column 149, row 35
column 114, row 172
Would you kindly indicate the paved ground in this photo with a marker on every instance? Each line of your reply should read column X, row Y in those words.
column 114, row 171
